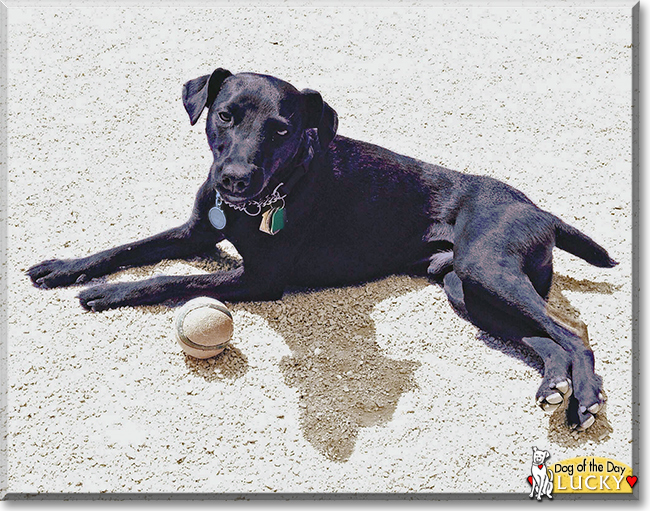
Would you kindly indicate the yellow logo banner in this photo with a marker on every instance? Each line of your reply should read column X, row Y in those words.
column 591, row 474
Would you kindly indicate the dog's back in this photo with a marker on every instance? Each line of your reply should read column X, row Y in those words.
column 371, row 216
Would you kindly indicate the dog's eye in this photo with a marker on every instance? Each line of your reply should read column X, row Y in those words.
column 225, row 116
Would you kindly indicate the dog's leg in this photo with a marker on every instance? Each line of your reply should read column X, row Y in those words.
column 543, row 486
column 549, row 483
column 192, row 238
column 556, row 387
column 556, row 383
column 233, row 285
column 172, row 244
column 532, row 490
column 504, row 288
column 538, row 485
column 454, row 290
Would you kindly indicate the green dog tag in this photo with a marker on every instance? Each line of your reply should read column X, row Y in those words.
column 278, row 220
column 273, row 221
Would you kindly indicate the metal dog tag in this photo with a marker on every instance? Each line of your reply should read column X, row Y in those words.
column 265, row 224
column 216, row 215
column 217, row 218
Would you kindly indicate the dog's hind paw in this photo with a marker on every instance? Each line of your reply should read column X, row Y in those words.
column 564, row 387
column 551, row 396
column 596, row 407
column 551, row 403
column 581, row 418
column 588, row 422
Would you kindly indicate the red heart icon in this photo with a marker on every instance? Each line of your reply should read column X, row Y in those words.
column 530, row 480
column 540, row 466
column 631, row 480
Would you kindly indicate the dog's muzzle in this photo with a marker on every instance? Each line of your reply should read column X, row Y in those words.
column 240, row 181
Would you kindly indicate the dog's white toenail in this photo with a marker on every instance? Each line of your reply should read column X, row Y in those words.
column 601, row 397
column 549, row 408
column 594, row 408
column 554, row 399
column 563, row 387
column 587, row 424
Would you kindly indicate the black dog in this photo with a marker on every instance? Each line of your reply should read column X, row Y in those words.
column 306, row 207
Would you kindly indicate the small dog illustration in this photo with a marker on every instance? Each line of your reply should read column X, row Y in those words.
column 542, row 476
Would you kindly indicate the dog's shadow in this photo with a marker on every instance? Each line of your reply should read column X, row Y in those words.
column 343, row 379
column 231, row 363
column 562, row 311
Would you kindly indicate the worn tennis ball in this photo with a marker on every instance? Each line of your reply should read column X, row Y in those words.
column 203, row 327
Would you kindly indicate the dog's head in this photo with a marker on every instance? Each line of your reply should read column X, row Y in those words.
column 540, row 456
column 256, row 127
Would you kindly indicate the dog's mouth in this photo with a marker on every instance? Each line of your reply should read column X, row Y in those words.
column 251, row 204
column 234, row 199
column 239, row 199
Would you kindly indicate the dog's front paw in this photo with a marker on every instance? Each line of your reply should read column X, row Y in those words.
column 122, row 294
column 57, row 273
column 107, row 296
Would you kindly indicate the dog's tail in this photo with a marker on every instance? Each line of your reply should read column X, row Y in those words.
column 571, row 240
column 550, row 481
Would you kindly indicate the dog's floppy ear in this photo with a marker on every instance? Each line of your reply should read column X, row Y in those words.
column 321, row 116
column 200, row 92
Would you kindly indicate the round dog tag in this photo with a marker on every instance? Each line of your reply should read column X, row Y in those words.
column 217, row 218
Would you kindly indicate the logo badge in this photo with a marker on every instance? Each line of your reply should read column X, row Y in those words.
column 587, row 474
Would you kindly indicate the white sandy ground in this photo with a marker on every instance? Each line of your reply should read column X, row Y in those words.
column 101, row 152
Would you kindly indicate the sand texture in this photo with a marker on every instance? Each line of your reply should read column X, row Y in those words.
column 375, row 388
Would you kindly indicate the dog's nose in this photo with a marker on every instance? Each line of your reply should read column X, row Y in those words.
column 236, row 178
